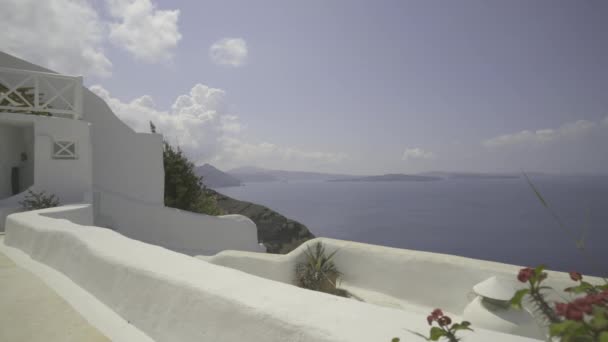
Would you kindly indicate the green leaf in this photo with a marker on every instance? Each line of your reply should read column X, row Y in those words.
column 395, row 339
column 580, row 243
column 583, row 287
column 599, row 321
column 461, row 326
column 537, row 276
column 436, row 333
column 564, row 328
column 603, row 337
column 540, row 197
column 518, row 297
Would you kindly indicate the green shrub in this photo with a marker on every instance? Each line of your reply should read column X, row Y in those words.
column 318, row 272
column 183, row 188
column 39, row 200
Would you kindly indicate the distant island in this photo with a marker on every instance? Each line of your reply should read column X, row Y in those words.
column 391, row 177
column 215, row 178
column 470, row 175
column 251, row 174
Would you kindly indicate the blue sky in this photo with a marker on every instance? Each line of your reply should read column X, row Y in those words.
column 345, row 86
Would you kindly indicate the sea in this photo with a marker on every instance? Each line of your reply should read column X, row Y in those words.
column 493, row 219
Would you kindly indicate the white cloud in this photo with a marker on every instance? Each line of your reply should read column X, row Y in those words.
column 62, row 35
column 147, row 33
column 69, row 36
column 200, row 124
column 196, row 121
column 229, row 52
column 526, row 138
column 416, row 153
column 238, row 152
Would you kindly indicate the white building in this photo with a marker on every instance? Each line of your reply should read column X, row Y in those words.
column 106, row 242
column 80, row 151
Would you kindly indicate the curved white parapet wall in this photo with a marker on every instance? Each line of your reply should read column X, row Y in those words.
column 389, row 276
column 178, row 230
column 174, row 297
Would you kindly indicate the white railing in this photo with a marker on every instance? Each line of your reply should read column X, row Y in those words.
column 42, row 93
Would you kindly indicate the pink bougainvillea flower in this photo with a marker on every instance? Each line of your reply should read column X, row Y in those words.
column 430, row 319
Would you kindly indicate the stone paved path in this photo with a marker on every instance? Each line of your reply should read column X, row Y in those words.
column 32, row 312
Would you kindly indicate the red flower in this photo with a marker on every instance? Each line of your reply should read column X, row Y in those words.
column 445, row 320
column 576, row 276
column 574, row 315
column 596, row 299
column 582, row 304
column 436, row 314
column 525, row 274
column 430, row 319
column 561, row 308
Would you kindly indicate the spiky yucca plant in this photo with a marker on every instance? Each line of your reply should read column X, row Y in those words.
column 318, row 272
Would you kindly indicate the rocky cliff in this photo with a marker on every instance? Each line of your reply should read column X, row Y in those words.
column 279, row 234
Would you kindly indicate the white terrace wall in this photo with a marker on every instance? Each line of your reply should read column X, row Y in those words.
column 173, row 297
column 411, row 277
column 178, row 230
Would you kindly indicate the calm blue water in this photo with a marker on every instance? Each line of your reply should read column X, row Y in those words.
column 497, row 220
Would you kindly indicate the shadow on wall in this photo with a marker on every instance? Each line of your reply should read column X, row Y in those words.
column 178, row 230
column 16, row 159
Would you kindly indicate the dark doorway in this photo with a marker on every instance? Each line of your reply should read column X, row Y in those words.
column 15, row 180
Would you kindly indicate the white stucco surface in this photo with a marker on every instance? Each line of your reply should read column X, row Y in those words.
column 178, row 230
column 123, row 161
column 68, row 179
column 412, row 280
column 174, row 297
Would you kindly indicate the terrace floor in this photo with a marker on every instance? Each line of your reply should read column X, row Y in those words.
column 31, row 311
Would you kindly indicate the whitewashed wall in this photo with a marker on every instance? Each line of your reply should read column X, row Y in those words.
column 68, row 179
column 173, row 297
column 179, row 230
column 122, row 171
column 124, row 161
column 420, row 278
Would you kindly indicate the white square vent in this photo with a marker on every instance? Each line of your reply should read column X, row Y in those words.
column 64, row 150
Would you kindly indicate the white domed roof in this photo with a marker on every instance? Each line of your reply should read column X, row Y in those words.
column 495, row 288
